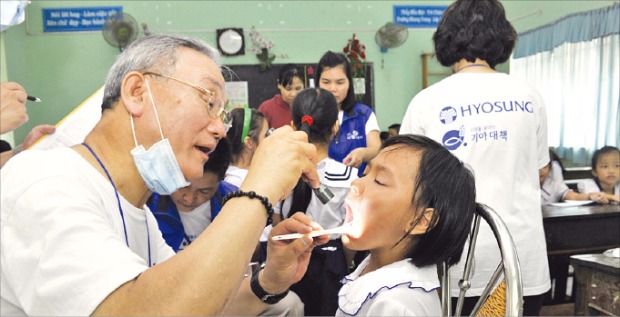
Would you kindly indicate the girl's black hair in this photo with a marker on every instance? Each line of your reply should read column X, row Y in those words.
column 473, row 29
column 320, row 105
column 554, row 157
column 445, row 184
column 287, row 73
column 600, row 152
column 234, row 133
column 331, row 60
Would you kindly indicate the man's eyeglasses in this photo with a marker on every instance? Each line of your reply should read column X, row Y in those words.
column 215, row 110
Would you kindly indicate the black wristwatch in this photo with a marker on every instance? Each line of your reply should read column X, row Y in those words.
column 261, row 293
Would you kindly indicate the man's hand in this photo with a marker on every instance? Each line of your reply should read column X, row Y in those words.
column 282, row 158
column 287, row 260
column 12, row 106
column 36, row 133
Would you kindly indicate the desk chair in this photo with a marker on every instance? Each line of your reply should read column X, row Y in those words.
column 506, row 298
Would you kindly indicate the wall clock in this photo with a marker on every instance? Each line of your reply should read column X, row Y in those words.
column 230, row 41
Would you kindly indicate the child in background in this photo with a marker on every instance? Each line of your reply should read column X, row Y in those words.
column 394, row 129
column 248, row 129
column 315, row 112
column 185, row 214
column 277, row 110
column 412, row 209
column 553, row 191
column 606, row 172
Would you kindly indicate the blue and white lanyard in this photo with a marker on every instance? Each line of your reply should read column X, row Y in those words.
column 120, row 209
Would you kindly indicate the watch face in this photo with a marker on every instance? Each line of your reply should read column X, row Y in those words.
column 230, row 41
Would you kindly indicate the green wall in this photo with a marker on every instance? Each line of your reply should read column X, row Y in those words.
column 63, row 69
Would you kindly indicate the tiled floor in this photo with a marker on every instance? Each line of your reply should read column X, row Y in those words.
column 558, row 310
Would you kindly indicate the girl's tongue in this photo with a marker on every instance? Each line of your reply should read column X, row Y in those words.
column 349, row 215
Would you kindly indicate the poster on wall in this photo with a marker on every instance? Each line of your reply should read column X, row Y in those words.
column 414, row 16
column 77, row 19
column 237, row 92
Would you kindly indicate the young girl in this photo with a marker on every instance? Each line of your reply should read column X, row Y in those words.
column 412, row 209
column 606, row 172
column 357, row 141
column 247, row 131
column 315, row 111
column 553, row 191
column 277, row 110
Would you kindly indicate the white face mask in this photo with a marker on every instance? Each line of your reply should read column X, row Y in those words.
column 158, row 166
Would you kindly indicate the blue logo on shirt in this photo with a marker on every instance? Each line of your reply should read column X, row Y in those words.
column 447, row 115
column 354, row 135
column 453, row 139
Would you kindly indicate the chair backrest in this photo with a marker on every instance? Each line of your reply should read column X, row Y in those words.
column 510, row 289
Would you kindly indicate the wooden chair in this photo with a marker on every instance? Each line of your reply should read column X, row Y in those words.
column 503, row 298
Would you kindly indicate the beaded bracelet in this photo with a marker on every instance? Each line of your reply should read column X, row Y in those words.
column 252, row 195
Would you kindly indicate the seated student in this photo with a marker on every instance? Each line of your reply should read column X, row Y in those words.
column 384, row 135
column 553, row 191
column 412, row 209
column 393, row 129
column 199, row 203
column 557, row 168
column 606, row 172
column 315, row 112
column 248, row 129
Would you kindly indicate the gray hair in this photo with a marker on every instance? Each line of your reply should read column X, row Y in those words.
column 156, row 53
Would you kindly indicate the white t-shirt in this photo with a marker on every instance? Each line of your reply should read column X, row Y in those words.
column 337, row 177
column 371, row 124
column 497, row 125
column 195, row 222
column 62, row 237
column 589, row 186
column 235, row 175
column 397, row 289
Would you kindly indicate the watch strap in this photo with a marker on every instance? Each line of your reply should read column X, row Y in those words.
column 261, row 293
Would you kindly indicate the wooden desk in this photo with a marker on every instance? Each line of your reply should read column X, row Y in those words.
column 598, row 284
column 577, row 230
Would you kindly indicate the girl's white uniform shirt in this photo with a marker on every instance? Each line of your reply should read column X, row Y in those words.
column 397, row 289
column 497, row 125
column 337, row 177
column 590, row 186
column 63, row 239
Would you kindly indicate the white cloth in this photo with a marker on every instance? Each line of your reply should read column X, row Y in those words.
column 12, row 12
column 195, row 222
column 397, row 289
column 497, row 125
column 371, row 124
column 337, row 177
column 553, row 191
column 63, row 243
column 235, row 175
column 556, row 172
column 589, row 186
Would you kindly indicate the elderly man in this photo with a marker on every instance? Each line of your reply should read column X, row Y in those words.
column 76, row 238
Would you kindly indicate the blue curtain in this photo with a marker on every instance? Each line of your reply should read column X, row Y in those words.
column 578, row 27
column 575, row 65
